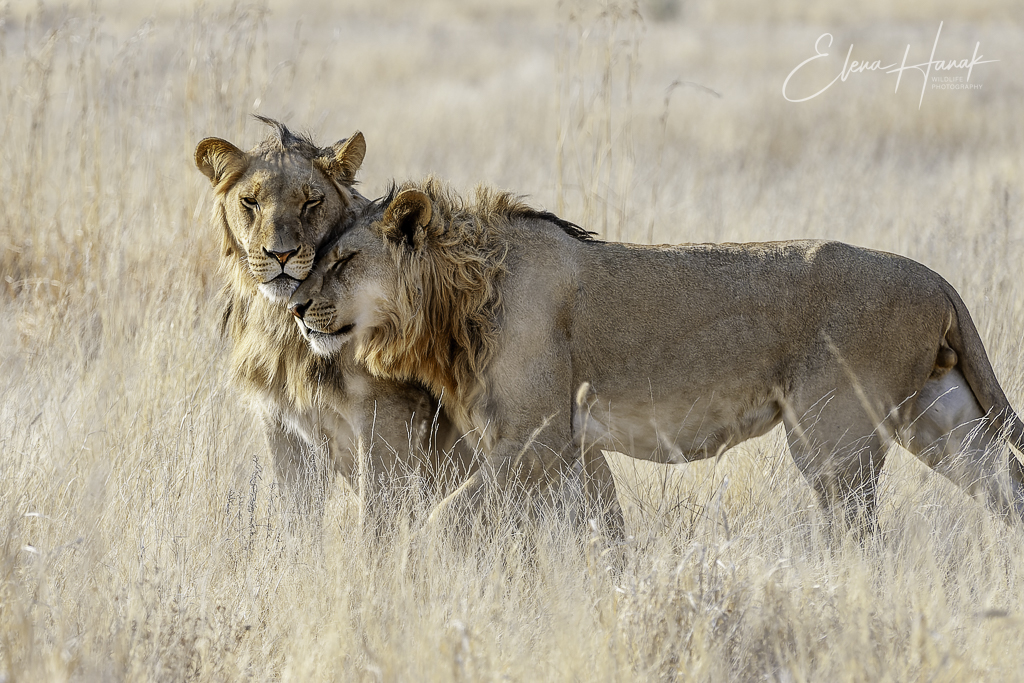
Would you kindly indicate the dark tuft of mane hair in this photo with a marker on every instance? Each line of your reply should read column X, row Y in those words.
column 570, row 228
column 287, row 141
column 384, row 201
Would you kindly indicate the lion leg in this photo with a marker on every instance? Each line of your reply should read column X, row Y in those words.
column 451, row 456
column 300, row 468
column 393, row 452
column 511, row 473
column 952, row 435
column 476, row 501
column 530, row 458
column 599, row 483
column 840, row 450
column 599, row 488
column 378, row 481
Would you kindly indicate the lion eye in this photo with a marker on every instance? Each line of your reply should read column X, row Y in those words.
column 250, row 203
column 310, row 203
column 341, row 262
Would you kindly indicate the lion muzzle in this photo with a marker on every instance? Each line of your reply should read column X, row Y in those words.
column 298, row 309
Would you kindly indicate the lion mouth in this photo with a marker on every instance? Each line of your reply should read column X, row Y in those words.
column 281, row 279
column 320, row 334
column 326, row 343
column 280, row 288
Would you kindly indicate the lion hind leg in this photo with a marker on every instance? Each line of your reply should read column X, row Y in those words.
column 601, row 495
column 839, row 447
column 953, row 436
column 599, row 482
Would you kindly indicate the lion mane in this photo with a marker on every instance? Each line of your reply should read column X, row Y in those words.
column 439, row 327
column 270, row 356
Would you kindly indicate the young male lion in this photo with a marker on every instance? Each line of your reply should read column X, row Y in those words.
column 273, row 206
column 543, row 338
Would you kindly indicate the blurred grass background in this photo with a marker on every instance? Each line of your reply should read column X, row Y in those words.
column 141, row 526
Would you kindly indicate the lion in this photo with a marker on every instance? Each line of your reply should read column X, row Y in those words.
column 547, row 341
column 273, row 206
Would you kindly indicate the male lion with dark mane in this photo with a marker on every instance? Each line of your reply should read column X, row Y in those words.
column 544, row 339
column 273, row 206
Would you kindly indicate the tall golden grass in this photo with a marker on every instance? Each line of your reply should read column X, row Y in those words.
column 141, row 525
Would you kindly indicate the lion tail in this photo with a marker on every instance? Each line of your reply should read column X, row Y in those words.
column 975, row 365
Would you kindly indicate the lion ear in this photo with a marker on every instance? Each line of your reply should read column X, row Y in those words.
column 407, row 215
column 220, row 161
column 345, row 157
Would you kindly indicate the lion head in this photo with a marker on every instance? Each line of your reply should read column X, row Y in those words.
column 415, row 284
column 277, row 202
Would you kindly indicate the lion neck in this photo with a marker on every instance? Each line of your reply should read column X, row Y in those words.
column 440, row 328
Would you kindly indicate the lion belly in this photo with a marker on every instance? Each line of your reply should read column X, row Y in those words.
column 675, row 430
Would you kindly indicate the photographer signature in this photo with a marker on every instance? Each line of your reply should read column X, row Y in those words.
column 851, row 66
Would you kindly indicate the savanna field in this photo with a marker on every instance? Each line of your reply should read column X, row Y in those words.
column 143, row 535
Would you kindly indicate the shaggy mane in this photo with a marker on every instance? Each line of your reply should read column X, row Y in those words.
column 441, row 326
column 269, row 357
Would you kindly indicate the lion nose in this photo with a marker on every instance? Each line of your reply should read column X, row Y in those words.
column 299, row 310
column 281, row 256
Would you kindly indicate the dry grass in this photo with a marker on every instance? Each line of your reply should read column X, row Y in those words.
column 141, row 526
